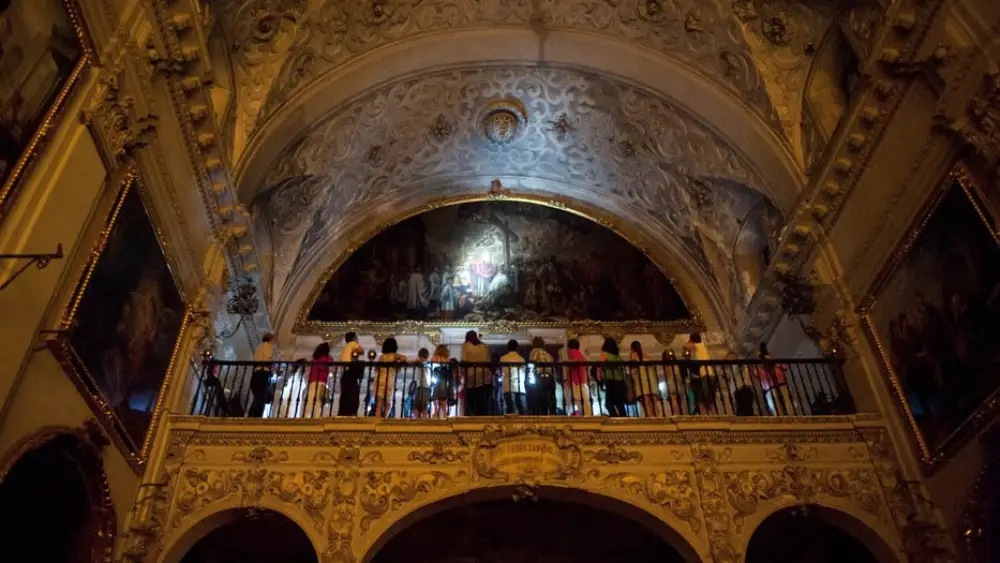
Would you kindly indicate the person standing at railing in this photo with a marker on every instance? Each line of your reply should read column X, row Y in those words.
column 615, row 388
column 443, row 390
column 385, row 377
column 579, row 384
column 422, row 398
column 478, row 379
column 319, row 375
column 262, row 357
column 513, row 380
column 541, row 391
column 774, row 382
column 671, row 388
column 643, row 380
column 350, row 377
column 702, row 382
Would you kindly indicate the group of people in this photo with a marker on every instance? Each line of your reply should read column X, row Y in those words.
column 435, row 385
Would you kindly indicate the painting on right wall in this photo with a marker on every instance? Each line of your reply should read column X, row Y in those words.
column 932, row 316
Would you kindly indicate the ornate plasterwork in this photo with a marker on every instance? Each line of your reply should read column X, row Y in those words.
column 420, row 140
column 782, row 36
column 284, row 45
column 347, row 485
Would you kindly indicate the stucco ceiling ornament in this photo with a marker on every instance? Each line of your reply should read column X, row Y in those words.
column 781, row 35
column 646, row 183
column 338, row 31
column 502, row 121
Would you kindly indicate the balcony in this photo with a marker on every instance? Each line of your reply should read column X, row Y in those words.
column 404, row 390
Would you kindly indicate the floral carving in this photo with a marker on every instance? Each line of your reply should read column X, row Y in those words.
column 673, row 490
column 382, row 492
column 438, row 454
column 260, row 454
column 789, row 453
column 776, row 29
column 613, row 455
column 309, row 490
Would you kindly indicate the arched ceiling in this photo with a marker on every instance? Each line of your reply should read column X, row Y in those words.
column 756, row 50
column 589, row 139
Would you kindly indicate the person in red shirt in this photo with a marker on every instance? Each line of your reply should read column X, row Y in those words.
column 579, row 396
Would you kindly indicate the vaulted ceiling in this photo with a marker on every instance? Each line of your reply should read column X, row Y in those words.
column 676, row 120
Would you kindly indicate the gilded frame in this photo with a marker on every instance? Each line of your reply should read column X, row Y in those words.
column 54, row 114
column 931, row 459
column 305, row 326
column 135, row 453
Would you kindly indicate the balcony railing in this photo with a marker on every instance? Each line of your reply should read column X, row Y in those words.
column 305, row 389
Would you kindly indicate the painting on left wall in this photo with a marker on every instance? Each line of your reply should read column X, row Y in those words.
column 126, row 321
column 39, row 53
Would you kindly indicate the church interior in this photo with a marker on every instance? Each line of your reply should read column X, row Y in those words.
column 484, row 281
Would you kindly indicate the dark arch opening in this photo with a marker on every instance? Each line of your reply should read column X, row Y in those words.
column 810, row 534
column 53, row 513
column 253, row 536
column 552, row 527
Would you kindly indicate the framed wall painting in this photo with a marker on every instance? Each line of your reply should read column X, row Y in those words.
column 44, row 50
column 120, row 335
column 931, row 315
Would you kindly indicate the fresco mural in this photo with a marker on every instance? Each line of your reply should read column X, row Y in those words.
column 128, row 320
column 936, row 317
column 38, row 51
column 498, row 260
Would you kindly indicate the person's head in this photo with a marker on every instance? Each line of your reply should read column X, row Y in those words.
column 610, row 346
column 762, row 350
column 695, row 338
column 512, row 345
column 321, row 350
column 423, row 354
column 573, row 344
column 350, row 337
column 441, row 351
column 637, row 348
column 472, row 338
column 538, row 342
column 390, row 346
column 268, row 337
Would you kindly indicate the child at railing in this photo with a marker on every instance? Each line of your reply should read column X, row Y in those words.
column 422, row 398
column 643, row 381
column 385, row 377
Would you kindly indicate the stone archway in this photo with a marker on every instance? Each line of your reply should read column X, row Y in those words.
column 554, row 522
column 247, row 535
column 55, row 480
column 814, row 533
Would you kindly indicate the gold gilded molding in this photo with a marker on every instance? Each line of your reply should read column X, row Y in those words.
column 990, row 407
column 135, row 453
column 632, row 236
column 53, row 117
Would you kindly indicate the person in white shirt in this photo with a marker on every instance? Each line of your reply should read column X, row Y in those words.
column 513, row 380
column 262, row 358
column 350, row 376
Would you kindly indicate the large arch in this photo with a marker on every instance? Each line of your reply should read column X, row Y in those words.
column 57, row 464
column 875, row 534
column 689, row 280
column 225, row 512
column 680, row 542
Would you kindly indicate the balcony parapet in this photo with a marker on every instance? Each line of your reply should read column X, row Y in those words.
column 351, row 483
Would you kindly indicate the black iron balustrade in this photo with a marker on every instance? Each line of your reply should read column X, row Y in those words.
column 304, row 389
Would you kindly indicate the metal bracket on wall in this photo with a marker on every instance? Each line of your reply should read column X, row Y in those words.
column 41, row 261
